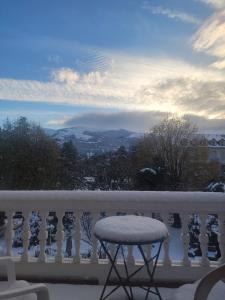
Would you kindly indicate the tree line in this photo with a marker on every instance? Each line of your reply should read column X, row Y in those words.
column 167, row 158
column 170, row 157
column 30, row 159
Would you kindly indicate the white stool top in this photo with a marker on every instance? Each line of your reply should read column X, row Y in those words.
column 130, row 229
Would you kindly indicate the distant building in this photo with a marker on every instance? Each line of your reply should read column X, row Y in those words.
column 216, row 145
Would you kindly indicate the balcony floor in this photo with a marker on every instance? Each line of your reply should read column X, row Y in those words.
column 92, row 292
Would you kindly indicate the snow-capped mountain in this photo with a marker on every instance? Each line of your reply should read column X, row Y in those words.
column 90, row 141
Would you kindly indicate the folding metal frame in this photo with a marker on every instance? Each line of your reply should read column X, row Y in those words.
column 126, row 283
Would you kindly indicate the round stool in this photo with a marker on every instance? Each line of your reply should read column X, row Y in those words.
column 130, row 230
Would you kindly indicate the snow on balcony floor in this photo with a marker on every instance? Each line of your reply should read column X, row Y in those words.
column 93, row 292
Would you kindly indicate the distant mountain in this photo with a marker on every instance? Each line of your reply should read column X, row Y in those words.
column 89, row 141
column 96, row 141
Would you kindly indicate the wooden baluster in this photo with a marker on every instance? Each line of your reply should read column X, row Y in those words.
column 94, row 255
column 9, row 233
column 59, row 237
column 186, row 238
column 26, row 236
column 166, row 243
column 221, row 220
column 42, row 236
column 204, row 240
column 77, row 237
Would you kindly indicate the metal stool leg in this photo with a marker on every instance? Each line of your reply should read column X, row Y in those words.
column 127, row 274
column 110, row 271
column 113, row 267
column 151, row 273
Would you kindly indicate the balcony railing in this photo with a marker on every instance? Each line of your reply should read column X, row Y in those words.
column 96, row 204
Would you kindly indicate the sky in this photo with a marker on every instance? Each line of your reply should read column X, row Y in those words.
column 113, row 64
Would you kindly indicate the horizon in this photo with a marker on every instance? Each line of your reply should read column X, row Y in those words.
column 100, row 129
column 113, row 64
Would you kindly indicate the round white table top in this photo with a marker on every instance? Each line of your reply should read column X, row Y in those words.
column 130, row 229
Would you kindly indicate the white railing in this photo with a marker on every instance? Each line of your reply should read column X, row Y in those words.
column 162, row 204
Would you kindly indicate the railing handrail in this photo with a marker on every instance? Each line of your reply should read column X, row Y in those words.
column 156, row 201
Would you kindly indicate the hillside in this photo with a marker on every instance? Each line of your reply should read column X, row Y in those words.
column 89, row 141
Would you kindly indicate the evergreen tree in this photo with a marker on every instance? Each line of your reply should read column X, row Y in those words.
column 28, row 157
column 68, row 166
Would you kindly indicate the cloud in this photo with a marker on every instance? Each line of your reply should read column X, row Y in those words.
column 188, row 95
column 65, row 75
column 70, row 77
column 220, row 64
column 59, row 122
column 137, row 121
column 132, row 82
column 214, row 3
column 210, row 38
column 172, row 14
column 208, row 125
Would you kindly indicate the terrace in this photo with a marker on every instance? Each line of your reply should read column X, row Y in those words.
column 174, row 267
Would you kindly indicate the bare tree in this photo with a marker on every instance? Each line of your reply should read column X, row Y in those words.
column 172, row 145
column 174, row 148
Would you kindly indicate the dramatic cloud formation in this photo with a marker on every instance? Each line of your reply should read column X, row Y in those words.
column 138, row 121
column 131, row 83
column 135, row 121
column 189, row 95
column 210, row 38
column 142, row 59
column 172, row 14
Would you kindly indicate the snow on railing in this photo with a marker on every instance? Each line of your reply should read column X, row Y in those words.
column 49, row 233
